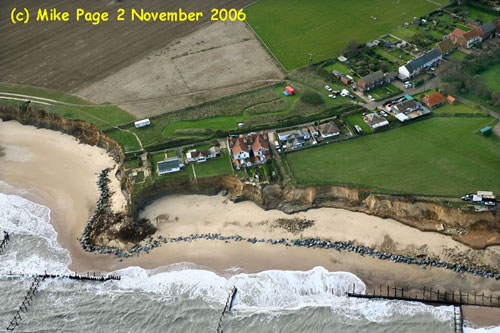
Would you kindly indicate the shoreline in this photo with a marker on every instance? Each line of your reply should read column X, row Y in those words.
column 72, row 204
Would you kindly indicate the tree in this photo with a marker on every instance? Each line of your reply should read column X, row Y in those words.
column 352, row 48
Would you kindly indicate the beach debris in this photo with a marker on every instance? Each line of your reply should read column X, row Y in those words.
column 294, row 225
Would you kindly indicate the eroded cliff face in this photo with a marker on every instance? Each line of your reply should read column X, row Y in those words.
column 83, row 131
column 483, row 227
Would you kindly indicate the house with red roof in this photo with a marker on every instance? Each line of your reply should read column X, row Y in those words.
column 433, row 100
column 250, row 149
column 466, row 39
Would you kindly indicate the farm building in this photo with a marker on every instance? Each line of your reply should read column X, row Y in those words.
column 466, row 39
column 445, row 46
column 142, row 123
column 201, row 156
column 434, row 100
column 414, row 67
column 374, row 120
column 169, row 165
column 346, row 79
column 452, row 100
column 370, row 81
column 328, row 129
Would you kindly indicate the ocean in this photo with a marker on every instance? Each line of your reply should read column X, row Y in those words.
column 183, row 297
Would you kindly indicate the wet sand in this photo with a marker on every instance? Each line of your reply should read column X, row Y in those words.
column 55, row 170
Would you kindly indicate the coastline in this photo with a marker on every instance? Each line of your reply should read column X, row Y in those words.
column 58, row 172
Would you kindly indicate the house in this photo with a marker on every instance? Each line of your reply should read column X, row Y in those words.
column 283, row 136
column 328, row 129
column 142, row 123
column 247, row 150
column 294, row 141
column 312, row 130
column 452, row 100
column 304, row 133
column 240, row 151
column 445, row 46
column 466, row 39
column 405, row 106
column 488, row 30
column 200, row 156
column 370, row 81
column 390, row 76
column 374, row 120
column 169, row 165
column 414, row 67
column 433, row 100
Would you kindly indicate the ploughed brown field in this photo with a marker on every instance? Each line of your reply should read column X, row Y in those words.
column 71, row 56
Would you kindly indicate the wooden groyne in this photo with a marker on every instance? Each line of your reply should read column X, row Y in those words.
column 430, row 296
column 227, row 307
column 459, row 319
column 28, row 300
column 5, row 240
column 38, row 278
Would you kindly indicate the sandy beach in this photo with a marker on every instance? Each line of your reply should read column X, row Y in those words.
column 53, row 169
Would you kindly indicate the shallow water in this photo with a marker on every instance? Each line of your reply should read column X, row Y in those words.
column 183, row 297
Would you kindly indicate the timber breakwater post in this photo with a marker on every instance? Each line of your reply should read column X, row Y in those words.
column 430, row 296
column 38, row 279
column 227, row 307
column 5, row 240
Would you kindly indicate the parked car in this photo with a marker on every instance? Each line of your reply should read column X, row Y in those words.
column 332, row 96
column 467, row 197
column 370, row 97
column 383, row 113
column 351, row 96
column 328, row 88
column 490, row 203
column 388, row 107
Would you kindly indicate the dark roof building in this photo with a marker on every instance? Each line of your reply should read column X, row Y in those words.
column 169, row 165
column 445, row 46
column 371, row 80
column 414, row 67
column 488, row 30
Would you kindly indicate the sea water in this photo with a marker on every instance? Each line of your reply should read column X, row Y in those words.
column 184, row 298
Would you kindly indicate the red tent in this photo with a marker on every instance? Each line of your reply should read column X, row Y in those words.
column 290, row 90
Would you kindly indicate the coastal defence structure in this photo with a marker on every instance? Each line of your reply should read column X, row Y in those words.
column 227, row 307
column 38, row 279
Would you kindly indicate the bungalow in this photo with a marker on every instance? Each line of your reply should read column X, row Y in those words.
column 370, row 81
column 488, row 30
column 294, row 141
column 374, row 120
column 445, row 46
column 415, row 66
column 433, row 100
column 405, row 106
column 200, row 156
column 328, row 129
column 466, row 39
column 169, row 165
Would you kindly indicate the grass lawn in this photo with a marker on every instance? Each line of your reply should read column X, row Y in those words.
column 103, row 115
column 403, row 33
column 125, row 139
column 385, row 91
column 293, row 29
column 388, row 56
column 492, row 77
column 459, row 108
column 217, row 166
column 475, row 14
column 439, row 156
column 132, row 163
column 344, row 69
column 458, row 55
column 357, row 119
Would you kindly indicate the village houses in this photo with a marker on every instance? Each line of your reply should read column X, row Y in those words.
column 250, row 149
column 414, row 67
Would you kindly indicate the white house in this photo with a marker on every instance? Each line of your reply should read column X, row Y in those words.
column 142, row 123
column 169, row 165
column 414, row 67
column 201, row 156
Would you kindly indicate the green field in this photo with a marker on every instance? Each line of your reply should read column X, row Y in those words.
column 492, row 77
column 438, row 156
column 293, row 29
